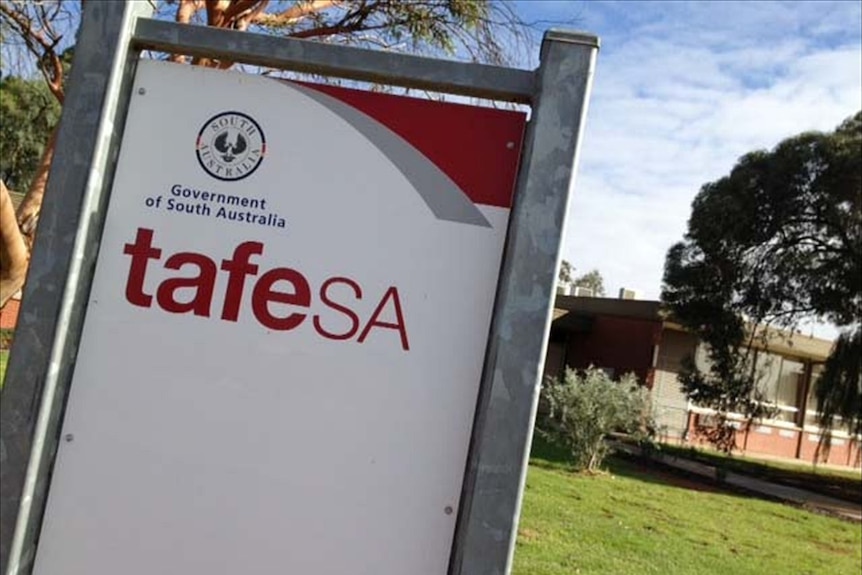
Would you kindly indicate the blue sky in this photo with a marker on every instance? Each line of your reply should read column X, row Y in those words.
column 683, row 89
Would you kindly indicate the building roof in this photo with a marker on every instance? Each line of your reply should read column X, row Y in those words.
column 568, row 309
column 632, row 308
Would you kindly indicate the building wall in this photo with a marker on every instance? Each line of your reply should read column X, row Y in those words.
column 630, row 336
column 671, row 404
column 844, row 451
column 768, row 439
column 777, row 440
column 554, row 359
column 9, row 314
column 620, row 344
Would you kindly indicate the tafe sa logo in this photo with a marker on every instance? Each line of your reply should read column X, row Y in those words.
column 230, row 146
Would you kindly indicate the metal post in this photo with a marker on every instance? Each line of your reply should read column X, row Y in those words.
column 391, row 68
column 46, row 338
column 497, row 464
column 63, row 259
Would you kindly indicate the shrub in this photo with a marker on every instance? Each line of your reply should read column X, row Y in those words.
column 582, row 408
column 6, row 338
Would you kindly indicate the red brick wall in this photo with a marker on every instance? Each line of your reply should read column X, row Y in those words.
column 778, row 441
column 769, row 440
column 842, row 452
column 9, row 314
column 624, row 344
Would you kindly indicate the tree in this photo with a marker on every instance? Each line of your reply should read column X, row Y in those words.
column 35, row 35
column 566, row 273
column 592, row 280
column 13, row 250
column 583, row 408
column 29, row 113
column 776, row 241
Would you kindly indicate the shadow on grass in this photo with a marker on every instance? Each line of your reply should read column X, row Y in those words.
column 547, row 455
column 842, row 486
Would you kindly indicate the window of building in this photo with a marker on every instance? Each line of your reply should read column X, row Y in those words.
column 811, row 405
column 779, row 381
column 767, row 373
column 811, row 408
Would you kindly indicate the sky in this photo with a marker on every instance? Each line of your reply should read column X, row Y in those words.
column 681, row 91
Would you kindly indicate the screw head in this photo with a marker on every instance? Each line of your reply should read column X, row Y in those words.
column 510, row 145
column 142, row 91
column 69, row 437
column 448, row 510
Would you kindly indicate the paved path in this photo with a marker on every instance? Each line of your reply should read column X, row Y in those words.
column 809, row 499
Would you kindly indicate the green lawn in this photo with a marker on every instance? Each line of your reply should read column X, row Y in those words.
column 842, row 483
column 630, row 521
column 4, row 357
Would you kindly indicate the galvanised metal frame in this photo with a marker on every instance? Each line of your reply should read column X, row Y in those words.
column 112, row 36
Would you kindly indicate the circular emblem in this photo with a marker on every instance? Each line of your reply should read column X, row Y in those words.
column 230, row 146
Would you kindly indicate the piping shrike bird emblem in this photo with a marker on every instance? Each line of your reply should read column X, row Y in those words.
column 229, row 150
column 230, row 146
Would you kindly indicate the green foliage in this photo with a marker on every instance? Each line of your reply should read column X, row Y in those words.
column 592, row 280
column 839, row 389
column 566, row 273
column 6, row 336
column 776, row 241
column 729, row 386
column 29, row 112
column 479, row 30
column 584, row 407
column 4, row 359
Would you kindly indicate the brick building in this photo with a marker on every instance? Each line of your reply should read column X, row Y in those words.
column 9, row 313
column 622, row 336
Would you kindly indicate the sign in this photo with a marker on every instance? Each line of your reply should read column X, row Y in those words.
column 284, row 339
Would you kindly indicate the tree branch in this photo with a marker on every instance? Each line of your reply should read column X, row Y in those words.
column 294, row 14
column 185, row 12
column 28, row 211
column 25, row 28
column 13, row 249
column 240, row 7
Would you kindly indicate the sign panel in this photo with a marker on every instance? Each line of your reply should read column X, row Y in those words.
column 284, row 339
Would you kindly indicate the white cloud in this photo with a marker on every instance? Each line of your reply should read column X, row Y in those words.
column 681, row 91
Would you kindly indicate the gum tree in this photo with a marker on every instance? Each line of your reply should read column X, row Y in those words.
column 776, row 241
column 38, row 37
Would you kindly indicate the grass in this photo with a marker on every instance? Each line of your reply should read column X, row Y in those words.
column 631, row 520
column 5, row 342
column 842, row 483
column 4, row 358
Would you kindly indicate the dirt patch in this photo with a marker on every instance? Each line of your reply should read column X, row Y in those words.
column 527, row 534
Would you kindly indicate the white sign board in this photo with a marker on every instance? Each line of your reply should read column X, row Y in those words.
column 284, row 340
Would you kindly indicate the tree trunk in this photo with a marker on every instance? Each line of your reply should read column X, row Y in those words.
column 28, row 211
column 13, row 250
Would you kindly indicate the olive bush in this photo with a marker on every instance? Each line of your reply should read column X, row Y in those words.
column 583, row 407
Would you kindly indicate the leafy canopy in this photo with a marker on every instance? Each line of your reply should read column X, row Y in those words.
column 584, row 407
column 777, row 240
column 29, row 113
column 592, row 280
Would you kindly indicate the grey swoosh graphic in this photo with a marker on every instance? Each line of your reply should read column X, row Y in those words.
column 440, row 193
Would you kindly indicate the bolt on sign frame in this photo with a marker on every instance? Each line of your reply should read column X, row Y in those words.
column 112, row 36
